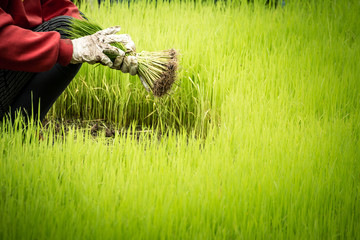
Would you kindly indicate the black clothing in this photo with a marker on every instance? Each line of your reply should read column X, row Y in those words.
column 25, row 91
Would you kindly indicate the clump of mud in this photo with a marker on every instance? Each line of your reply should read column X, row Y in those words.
column 168, row 77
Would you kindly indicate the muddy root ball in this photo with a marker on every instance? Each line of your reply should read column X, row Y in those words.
column 168, row 77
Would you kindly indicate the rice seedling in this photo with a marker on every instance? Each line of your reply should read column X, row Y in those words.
column 261, row 139
column 156, row 70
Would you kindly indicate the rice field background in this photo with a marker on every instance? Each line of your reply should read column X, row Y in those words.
column 258, row 139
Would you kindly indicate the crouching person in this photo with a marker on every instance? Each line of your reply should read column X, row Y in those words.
column 38, row 61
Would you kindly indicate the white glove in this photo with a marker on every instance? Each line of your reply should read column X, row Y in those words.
column 125, row 40
column 92, row 48
column 126, row 64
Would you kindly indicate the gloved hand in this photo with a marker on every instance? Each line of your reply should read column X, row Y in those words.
column 126, row 64
column 92, row 48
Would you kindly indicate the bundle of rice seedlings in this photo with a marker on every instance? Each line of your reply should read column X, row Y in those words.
column 156, row 70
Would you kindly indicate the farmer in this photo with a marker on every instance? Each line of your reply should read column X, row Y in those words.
column 37, row 61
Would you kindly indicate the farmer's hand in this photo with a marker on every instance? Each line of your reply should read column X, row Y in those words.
column 92, row 48
column 126, row 64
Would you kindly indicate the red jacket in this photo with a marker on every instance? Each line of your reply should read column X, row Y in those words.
column 24, row 50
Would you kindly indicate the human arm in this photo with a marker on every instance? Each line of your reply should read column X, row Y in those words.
column 25, row 50
column 22, row 49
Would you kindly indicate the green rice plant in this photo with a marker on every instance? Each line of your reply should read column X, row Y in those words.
column 253, row 180
column 156, row 70
column 261, row 139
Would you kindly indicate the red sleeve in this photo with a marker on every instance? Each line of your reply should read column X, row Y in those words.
column 55, row 8
column 25, row 50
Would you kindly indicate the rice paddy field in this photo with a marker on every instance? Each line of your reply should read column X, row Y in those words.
column 258, row 139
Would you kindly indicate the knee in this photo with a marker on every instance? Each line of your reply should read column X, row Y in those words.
column 60, row 24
